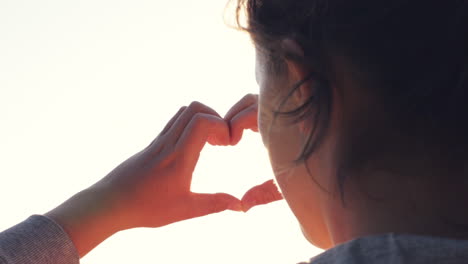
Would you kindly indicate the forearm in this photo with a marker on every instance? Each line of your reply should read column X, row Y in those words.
column 88, row 218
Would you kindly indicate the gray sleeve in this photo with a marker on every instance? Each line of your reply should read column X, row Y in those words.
column 37, row 240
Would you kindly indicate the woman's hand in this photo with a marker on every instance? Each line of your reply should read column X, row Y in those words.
column 244, row 115
column 151, row 188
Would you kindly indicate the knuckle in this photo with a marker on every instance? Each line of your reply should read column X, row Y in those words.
column 203, row 118
column 251, row 97
column 199, row 120
column 195, row 106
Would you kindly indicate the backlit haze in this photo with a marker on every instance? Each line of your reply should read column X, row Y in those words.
column 86, row 84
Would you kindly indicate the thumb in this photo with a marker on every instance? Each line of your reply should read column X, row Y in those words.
column 261, row 194
column 205, row 204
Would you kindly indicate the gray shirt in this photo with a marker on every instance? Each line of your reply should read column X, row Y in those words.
column 397, row 249
column 40, row 240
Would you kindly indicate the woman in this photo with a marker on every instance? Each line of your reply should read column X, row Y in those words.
column 362, row 109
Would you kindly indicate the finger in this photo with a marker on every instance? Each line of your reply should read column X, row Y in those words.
column 204, row 204
column 246, row 119
column 256, row 198
column 184, row 119
column 244, row 103
column 261, row 194
column 201, row 129
column 154, row 146
column 173, row 120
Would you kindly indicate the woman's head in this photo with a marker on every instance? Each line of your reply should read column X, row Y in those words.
column 352, row 89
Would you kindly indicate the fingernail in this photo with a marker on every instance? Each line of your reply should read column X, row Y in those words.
column 246, row 207
column 235, row 206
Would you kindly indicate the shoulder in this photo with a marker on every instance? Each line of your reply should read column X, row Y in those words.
column 396, row 249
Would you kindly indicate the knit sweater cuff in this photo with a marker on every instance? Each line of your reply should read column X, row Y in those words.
column 37, row 240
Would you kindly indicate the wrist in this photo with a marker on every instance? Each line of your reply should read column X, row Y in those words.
column 88, row 218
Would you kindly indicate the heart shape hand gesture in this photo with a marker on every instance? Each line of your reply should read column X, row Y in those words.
column 152, row 188
column 241, row 116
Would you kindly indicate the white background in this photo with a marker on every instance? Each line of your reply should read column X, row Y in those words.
column 86, row 84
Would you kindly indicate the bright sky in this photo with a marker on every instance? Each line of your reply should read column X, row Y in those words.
column 86, row 84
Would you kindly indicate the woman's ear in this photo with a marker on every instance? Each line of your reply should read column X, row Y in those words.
column 297, row 71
